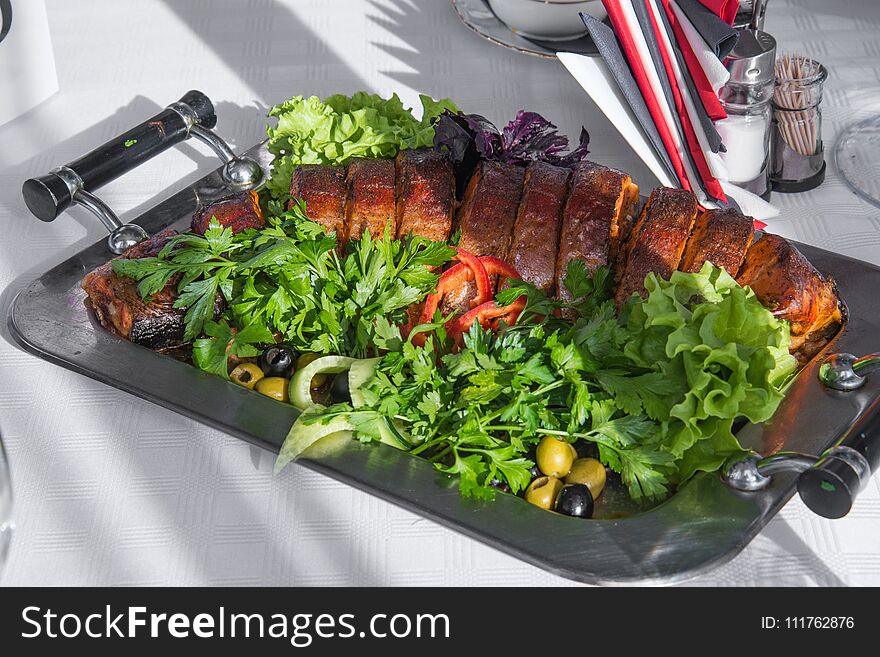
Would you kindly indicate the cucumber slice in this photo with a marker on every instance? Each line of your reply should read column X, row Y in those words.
column 300, row 392
column 302, row 436
column 393, row 434
column 360, row 372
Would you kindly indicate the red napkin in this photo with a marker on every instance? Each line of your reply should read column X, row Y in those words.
column 618, row 21
column 713, row 187
column 701, row 82
column 724, row 9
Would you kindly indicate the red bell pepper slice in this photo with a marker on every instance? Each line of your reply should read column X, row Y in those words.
column 469, row 268
column 483, row 308
column 489, row 315
column 496, row 266
column 481, row 276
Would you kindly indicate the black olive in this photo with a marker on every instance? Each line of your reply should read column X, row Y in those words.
column 575, row 500
column 535, row 471
column 277, row 360
column 500, row 485
column 339, row 391
column 586, row 449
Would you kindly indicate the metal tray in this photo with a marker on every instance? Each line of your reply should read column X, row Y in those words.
column 703, row 525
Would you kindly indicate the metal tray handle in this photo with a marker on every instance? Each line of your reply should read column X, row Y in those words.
column 192, row 116
column 828, row 483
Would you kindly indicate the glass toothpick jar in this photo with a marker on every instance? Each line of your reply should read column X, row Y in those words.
column 798, row 154
column 746, row 98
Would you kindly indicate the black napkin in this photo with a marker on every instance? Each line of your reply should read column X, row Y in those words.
column 720, row 36
column 641, row 11
column 712, row 135
column 606, row 43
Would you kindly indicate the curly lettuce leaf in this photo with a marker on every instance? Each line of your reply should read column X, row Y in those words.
column 727, row 351
column 332, row 131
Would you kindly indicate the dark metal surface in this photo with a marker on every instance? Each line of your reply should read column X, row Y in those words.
column 701, row 526
column 479, row 17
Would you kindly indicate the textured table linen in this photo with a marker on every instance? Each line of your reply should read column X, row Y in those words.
column 113, row 490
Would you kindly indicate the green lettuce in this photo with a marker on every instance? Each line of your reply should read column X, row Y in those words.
column 332, row 131
column 727, row 354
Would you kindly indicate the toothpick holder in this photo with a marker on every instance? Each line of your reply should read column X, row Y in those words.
column 796, row 148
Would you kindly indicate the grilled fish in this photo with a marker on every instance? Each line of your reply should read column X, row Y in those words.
column 596, row 218
column 721, row 237
column 535, row 242
column 425, row 194
column 155, row 323
column 657, row 240
column 238, row 212
column 370, row 201
column 322, row 188
column 790, row 287
column 486, row 218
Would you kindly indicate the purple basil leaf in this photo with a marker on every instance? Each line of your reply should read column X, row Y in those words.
column 454, row 135
column 578, row 153
column 467, row 138
column 530, row 137
column 458, row 132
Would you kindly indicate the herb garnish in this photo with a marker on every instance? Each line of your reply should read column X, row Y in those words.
column 656, row 388
column 288, row 280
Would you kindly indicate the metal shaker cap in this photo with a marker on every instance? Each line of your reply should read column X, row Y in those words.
column 752, row 59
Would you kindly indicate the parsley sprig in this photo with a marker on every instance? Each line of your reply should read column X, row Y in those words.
column 287, row 280
column 655, row 388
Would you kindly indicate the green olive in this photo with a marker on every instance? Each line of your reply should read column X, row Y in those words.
column 274, row 387
column 543, row 492
column 246, row 375
column 304, row 359
column 555, row 456
column 589, row 472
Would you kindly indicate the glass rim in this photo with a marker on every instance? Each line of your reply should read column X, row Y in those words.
column 818, row 77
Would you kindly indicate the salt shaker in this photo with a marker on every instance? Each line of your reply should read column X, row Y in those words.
column 746, row 98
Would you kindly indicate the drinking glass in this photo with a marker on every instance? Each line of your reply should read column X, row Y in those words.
column 5, row 507
column 858, row 155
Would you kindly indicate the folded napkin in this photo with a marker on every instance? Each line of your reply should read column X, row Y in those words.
column 689, row 90
column 623, row 87
column 750, row 204
column 599, row 81
column 708, row 96
column 654, row 35
column 712, row 66
column 645, row 75
column 717, row 34
column 594, row 76
column 724, row 9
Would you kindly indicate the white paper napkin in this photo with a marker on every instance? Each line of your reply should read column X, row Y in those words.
column 594, row 77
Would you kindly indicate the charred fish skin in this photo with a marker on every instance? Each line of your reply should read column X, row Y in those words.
column 657, row 240
column 721, row 237
column 485, row 219
column 596, row 218
column 322, row 189
column 425, row 202
column 792, row 289
column 370, row 201
column 238, row 212
column 535, row 243
column 118, row 306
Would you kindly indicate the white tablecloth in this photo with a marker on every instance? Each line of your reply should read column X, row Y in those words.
column 113, row 490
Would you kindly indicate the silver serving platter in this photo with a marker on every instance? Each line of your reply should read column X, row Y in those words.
column 479, row 17
column 701, row 526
